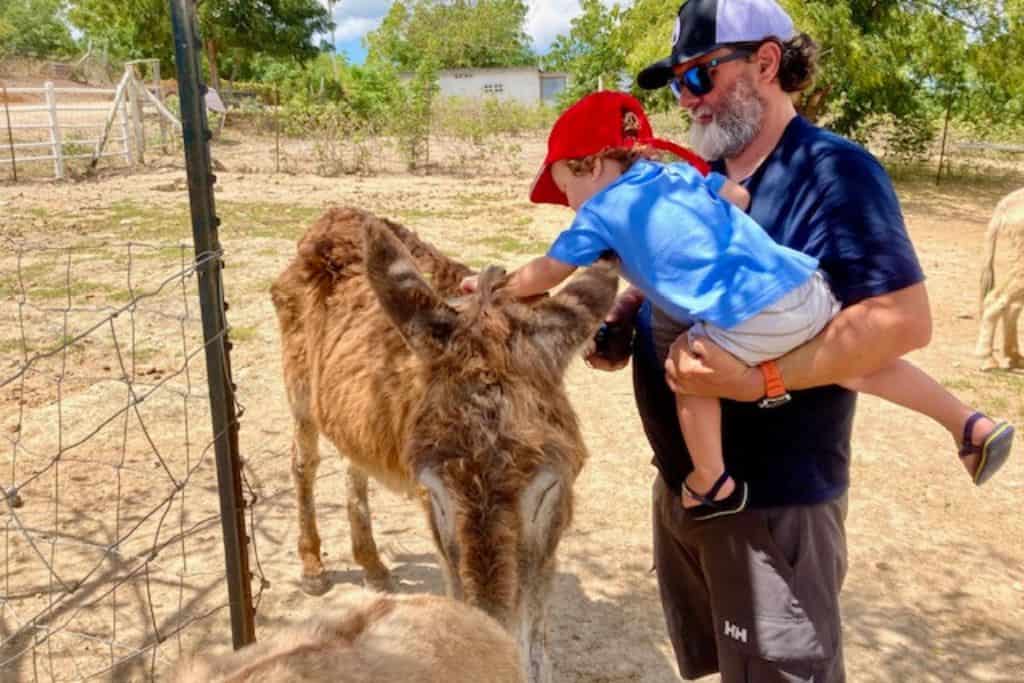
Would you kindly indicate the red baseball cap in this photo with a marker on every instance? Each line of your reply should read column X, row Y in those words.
column 593, row 125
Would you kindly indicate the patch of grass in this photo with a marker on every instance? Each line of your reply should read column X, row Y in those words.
column 79, row 290
column 30, row 273
column 170, row 254
column 276, row 221
column 148, row 222
column 420, row 214
column 959, row 385
column 244, row 334
column 481, row 198
column 512, row 244
column 13, row 346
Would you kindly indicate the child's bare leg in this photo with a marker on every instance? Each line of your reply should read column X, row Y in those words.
column 905, row 384
column 700, row 419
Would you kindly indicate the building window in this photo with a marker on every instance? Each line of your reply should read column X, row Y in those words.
column 494, row 88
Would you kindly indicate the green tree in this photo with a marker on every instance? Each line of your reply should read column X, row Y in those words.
column 590, row 52
column 35, row 27
column 902, row 61
column 279, row 28
column 240, row 29
column 452, row 34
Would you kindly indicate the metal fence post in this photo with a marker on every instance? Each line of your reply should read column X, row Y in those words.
column 10, row 135
column 196, row 136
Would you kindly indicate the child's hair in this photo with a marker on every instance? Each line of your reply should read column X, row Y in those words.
column 626, row 156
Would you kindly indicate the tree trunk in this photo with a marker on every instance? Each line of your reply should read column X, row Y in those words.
column 211, row 57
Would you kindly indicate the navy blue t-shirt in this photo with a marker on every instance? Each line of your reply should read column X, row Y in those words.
column 825, row 196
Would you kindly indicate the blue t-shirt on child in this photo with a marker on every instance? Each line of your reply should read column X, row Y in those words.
column 690, row 251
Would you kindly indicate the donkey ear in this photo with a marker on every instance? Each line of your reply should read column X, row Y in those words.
column 421, row 316
column 560, row 324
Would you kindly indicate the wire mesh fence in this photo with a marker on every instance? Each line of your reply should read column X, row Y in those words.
column 111, row 535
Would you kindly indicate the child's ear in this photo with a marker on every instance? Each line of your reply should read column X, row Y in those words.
column 598, row 168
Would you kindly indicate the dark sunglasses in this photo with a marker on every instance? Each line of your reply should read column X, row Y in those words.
column 697, row 79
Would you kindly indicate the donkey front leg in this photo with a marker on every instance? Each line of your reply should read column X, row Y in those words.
column 305, row 461
column 364, row 549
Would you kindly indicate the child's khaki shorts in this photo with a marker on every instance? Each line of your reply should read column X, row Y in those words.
column 790, row 322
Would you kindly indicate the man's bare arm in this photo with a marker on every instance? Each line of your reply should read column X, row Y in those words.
column 861, row 339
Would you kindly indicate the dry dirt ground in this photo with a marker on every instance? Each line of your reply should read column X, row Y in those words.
column 935, row 590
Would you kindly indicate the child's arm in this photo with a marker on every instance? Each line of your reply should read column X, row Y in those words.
column 536, row 277
column 730, row 191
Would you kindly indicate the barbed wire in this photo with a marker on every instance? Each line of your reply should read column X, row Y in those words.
column 94, row 583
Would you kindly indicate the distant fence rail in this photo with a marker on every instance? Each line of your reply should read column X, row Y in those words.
column 990, row 147
column 58, row 125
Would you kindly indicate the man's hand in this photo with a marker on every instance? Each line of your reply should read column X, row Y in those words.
column 625, row 309
column 600, row 363
column 705, row 369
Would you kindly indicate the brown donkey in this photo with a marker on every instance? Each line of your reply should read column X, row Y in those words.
column 457, row 399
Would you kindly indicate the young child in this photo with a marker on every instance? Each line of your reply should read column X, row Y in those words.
column 710, row 270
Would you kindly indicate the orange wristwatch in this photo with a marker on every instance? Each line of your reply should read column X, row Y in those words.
column 775, row 393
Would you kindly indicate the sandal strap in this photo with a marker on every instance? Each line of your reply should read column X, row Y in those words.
column 966, row 446
column 708, row 497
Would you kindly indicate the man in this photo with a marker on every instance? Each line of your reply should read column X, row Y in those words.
column 755, row 595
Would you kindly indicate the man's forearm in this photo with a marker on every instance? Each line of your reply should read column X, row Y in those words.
column 861, row 339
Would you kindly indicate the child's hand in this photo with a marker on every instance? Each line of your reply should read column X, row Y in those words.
column 468, row 284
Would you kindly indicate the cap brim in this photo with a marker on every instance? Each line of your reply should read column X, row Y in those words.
column 544, row 190
column 657, row 75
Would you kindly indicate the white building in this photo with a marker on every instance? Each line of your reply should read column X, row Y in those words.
column 528, row 85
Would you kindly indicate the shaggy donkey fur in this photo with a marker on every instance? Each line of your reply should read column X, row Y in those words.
column 373, row 639
column 457, row 399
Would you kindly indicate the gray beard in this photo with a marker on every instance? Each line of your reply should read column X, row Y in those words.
column 734, row 125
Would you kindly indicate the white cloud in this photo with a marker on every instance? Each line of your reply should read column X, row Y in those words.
column 545, row 20
column 355, row 28
column 548, row 19
column 355, row 19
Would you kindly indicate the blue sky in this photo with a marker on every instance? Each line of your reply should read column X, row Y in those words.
column 355, row 18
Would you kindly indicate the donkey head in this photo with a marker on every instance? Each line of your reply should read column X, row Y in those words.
column 495, row 443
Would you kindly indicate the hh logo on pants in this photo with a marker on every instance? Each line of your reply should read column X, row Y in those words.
column 735, row 632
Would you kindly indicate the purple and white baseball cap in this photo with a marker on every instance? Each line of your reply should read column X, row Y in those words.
column 706, row 25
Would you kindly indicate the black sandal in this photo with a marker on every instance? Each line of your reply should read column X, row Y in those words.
column 711, row 508
column 994, row 450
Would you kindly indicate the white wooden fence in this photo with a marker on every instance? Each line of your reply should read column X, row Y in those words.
column 65, row 121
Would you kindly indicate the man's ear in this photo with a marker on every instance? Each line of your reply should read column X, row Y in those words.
column 769, row 60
